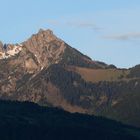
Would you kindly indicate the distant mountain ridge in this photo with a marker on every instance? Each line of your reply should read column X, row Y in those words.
column 46, row 70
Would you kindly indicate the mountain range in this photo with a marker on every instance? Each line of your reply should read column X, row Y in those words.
column 47, row 71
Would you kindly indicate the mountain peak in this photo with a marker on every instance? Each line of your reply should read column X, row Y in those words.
column 48, row 31
column 43, row 36
column 45, row 48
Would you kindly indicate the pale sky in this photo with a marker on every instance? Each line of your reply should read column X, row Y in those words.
column 105, row 30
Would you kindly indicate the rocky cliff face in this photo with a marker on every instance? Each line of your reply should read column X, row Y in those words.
column 46, row 48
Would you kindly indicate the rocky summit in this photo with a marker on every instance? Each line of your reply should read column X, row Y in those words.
column 46, row 70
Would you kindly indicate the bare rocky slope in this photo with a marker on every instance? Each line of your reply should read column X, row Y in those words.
column 46, row 70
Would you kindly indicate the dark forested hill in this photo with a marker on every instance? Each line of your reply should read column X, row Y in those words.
column 28, row 121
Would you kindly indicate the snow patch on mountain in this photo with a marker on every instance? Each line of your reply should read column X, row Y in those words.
column 10, row 51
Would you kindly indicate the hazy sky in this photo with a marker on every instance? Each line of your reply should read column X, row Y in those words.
column 106, row 30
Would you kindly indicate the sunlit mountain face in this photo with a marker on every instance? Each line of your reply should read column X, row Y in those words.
column 46, row 70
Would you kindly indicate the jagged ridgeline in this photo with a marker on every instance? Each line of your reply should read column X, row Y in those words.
column 46, row 70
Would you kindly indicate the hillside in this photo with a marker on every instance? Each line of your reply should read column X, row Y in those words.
column 29, row 121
